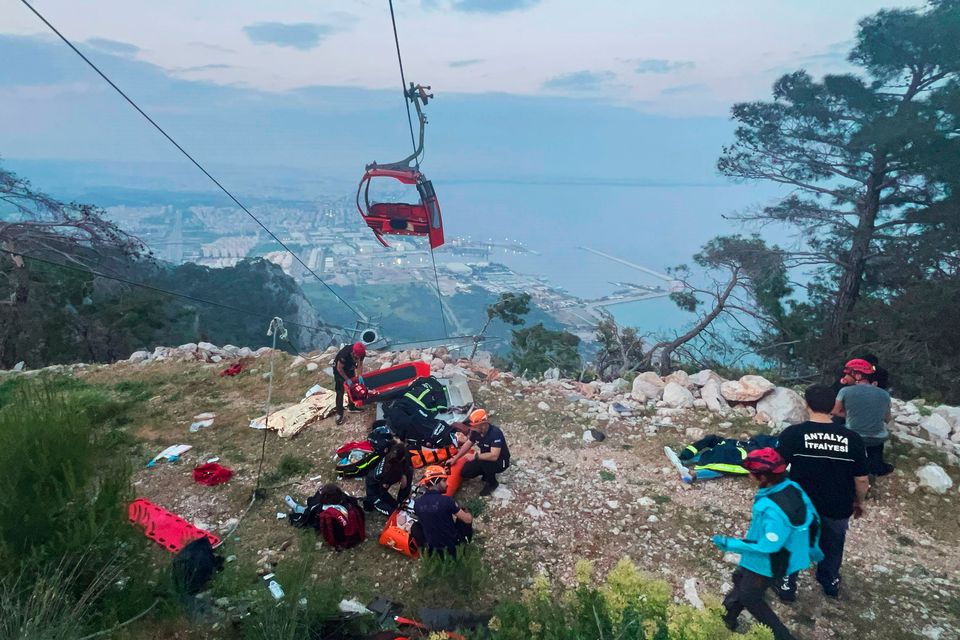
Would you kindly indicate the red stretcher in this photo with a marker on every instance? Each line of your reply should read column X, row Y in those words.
column 165, row 528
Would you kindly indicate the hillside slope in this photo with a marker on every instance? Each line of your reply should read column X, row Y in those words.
column 563, row 499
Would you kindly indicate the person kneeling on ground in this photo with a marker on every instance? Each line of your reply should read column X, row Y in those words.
column 444, row 523
column 782, row 539
column 492, row 457
column 393, row 469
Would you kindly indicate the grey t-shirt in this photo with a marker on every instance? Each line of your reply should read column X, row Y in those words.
column 866, row 407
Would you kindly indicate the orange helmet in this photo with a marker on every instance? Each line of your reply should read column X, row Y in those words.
column 434, row 473
column 477, row 416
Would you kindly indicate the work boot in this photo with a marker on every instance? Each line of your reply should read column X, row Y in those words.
column 489, row 488
column 832, row 589
column 339, row 419
column 730, row 623
column 785, row 591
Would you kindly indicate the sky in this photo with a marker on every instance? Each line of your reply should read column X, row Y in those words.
column 526, row 89
column 554, row 120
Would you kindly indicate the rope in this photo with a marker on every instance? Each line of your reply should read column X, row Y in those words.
column 436, row 278
column 276, row 329
column 333, row 328
column 193, row 160
column 403, row 85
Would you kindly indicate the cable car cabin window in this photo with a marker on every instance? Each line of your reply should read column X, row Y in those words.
column 396, row 201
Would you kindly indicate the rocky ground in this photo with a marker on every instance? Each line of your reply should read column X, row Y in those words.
column 568, row 495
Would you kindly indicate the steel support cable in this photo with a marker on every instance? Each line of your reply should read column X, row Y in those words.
column 403, row 85
column 192, row 159
column 328, row 328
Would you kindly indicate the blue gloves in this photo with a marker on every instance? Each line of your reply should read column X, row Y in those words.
column 721, row 542
column 360, row 380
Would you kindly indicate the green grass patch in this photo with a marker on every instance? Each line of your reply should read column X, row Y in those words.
column 289, row 466
column 607, row 476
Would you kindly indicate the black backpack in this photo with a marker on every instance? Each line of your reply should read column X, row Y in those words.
column 194, row 566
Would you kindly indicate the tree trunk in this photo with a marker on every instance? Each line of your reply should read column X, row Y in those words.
column 665, row 360
column 851, row 279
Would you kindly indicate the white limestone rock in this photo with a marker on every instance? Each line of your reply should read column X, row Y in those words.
column 677, row 396
column 749, row 388
column 933, row 477
column 711, row 396
column 936, row 426
column 701, row 378
column 782, row 407
column 647, row 386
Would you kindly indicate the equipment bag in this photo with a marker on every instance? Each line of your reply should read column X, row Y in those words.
column 342, row 530
column 356, row 463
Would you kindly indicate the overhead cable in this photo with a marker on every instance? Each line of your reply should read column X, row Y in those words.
column 191, row 158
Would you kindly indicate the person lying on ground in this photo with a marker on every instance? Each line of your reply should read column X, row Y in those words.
column 347, row 365
column 445, row 524
column 866, row 408
column 714, row 456
column 781, row 540
column 393, row 469
column 492, row 456
column 830, row 462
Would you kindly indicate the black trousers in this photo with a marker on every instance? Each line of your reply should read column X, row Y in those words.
column 377, row 493
column 748, row 593
column 464, row 535
column 339, row 390
column 876, row 466
column 486, row 468
column 833, row 536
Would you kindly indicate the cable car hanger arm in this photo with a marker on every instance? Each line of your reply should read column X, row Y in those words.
column 416, row 94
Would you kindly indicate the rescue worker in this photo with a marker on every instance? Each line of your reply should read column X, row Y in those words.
column 830, row 462
column 492, row 456
column 444, row 523
column 394, row 468
column 347, row 365
column 782, row 539
column 866, row 408
column 714, row 456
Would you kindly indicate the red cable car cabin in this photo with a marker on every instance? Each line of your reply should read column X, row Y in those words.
column 400, row 218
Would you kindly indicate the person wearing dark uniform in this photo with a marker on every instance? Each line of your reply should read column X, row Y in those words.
column 491, row 457
column 829, row 461
column 347, row 365
column 394, row 468
column 445, row 525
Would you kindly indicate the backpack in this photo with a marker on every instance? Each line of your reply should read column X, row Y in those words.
column 356, row 463
column 343, row 530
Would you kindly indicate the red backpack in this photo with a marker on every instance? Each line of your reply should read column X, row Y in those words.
column 343, row 531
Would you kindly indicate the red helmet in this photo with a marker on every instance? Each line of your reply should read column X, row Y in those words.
column 359, row 349
column 765, row 460
column 859, row 365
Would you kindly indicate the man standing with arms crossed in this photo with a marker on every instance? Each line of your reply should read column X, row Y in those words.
column 829, row 462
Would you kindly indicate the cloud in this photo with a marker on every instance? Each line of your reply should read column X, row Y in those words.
column 114, row 46
column 300, row 35
column 684, row 88
column 658, row 65
column 490, row 6
column 202, row 67
column 456, row 64
column 211, row 47
column 579, row 81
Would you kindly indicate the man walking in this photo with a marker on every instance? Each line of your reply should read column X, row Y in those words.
column 830, row 462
